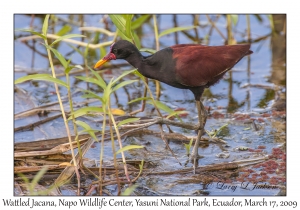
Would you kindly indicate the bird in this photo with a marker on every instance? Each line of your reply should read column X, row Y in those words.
column 184, row 66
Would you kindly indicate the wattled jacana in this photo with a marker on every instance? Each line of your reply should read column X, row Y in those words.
column 184, row 66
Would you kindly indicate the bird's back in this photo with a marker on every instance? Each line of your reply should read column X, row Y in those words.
column 199, row 65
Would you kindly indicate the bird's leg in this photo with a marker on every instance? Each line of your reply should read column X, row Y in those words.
column 194, row 155
column 204, row 114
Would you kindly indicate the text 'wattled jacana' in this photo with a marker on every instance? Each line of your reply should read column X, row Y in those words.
column 184, row 66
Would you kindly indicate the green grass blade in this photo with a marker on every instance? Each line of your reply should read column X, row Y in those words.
column 148, row 50
column 122, row 84
column 68, row 36
column 86, row 51
column 270, row 17
column 107, row 91
column 139, row 99
column 136, row 40
column 234, row 19
column 129, row 120
column 38, row 177
column 43, row 77
column 88, row 128
column 176, row 113
column 119, row 22
column 33, row 32
column 128, row 25
column 138, row 74
column 86, row 110
column 123, row 36
column 69, row 68
column 90, row 79
column 139, row 21
column 165, row 108
column 64, row 30
column 102, row 51
column 129, row 147
column 129, row 190
column 59, row 56
column 45, row 25
column 100, row 79
column 175, row 29
column 188, row 146
column 122, row 75
column 91, row 94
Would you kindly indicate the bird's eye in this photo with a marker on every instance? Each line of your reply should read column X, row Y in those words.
column 115, row 51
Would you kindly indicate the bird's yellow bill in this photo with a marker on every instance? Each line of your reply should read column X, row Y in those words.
column 100, row 63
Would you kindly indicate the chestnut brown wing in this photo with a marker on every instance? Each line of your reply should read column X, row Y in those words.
column 198, row 65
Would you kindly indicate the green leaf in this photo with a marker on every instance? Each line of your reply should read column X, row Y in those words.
column 141, row 166
column 33, row 32
column 42, row 77
column 129, row 120
column 64, row 30
column 65, row 37
column 148, row 50
column 90, row 79
column 136, row 40
column 107, row 91
column 129, row 190
column 121, row 76
column 59, row 56
column 270, row 17
column 129, row 147
column 161, row 106
column 38, row 177
column 100, row 79
column 123, row 36
column 176, row 113
column 122, row 84
column 45, row 25
column 128, row 25
column 139, row 21
column 188, row 146
column 139, row 99
column 69, row 68
column 234, row 19
column 91, row 94
column 175, row 29
column 165, row 108
column 86, row 51
column 86, row 110
column 88, row 128
column 119, row 22
column 102, row 51
column 138, row 74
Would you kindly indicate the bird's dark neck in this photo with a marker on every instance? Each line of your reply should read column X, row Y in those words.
column 158, row 66
column 135, row 59
column 141, row 62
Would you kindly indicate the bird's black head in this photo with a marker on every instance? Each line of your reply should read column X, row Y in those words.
column 120, row 50
column 123, row 49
